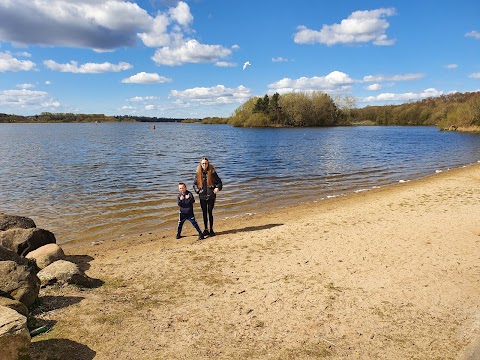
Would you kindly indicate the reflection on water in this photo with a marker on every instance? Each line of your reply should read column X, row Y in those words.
column 99, row 181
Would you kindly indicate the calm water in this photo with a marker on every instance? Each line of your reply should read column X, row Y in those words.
column 102, row 181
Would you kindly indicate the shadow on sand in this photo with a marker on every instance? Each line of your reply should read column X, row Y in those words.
column 60, row 349
column 247, row 229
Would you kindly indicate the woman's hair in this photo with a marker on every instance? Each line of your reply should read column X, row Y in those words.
column 210, row 171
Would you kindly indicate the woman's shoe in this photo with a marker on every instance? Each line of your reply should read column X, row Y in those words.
column 206, row 232
column 212, row 233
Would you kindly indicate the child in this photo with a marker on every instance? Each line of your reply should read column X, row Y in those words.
column 185, row 200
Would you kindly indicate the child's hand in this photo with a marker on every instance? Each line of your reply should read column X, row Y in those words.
column 187, row 196
column 182, row 197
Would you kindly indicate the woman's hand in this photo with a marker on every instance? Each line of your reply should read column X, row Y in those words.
column 215, row 190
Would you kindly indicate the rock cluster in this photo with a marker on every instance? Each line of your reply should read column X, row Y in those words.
column 30, row 259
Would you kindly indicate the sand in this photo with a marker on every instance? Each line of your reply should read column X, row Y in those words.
column 390, row 273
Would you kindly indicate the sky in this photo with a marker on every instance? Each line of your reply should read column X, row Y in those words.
column 205, row 58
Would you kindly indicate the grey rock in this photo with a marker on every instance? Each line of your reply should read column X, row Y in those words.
column 19, row 282
column 23, row 241
column 13, row 221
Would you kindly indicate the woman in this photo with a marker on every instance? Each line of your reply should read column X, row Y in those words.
column 207, row 184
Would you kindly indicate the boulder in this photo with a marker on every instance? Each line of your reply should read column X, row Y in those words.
column 46, row 255
column 19, row 282
column 14, row 305
column 14, row 335
column 63, row 272
column 22, row 241
column 13, row 221
column 7, row 254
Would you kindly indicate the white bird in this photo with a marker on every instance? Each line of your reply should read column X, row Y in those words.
column 246, row 64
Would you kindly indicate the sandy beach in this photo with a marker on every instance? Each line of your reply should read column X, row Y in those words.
column 390, row 273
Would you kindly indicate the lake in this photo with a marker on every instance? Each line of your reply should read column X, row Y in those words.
column 102, row 181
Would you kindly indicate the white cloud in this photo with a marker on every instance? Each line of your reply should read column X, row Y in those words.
column 136, row 98
column 146, row 78
column 475, row 75
column 374, row 87
column 24, row 54
column 88, row 68
column 25, row 86
column 382, row 78
column 149, row 107
column 279, row 59
column 27, row 99
column 48, row 82
column 9, row 63
column 181, row 14
column 392, row 97
column 102, row 24
column 167, row 28
column 359, row 27
column 333, row 82
column 474, row 34
column 214, row 95
column 157, row 35
column 451, row 66
column 225, row 64
column 140, row 98
column 190, row 52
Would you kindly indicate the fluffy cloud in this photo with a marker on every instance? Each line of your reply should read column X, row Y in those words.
column 279, row 59
column 25, row 86
column 140, row 98
column 88, row 68
column 167, row 28
column 190, row 52
column 225, row 64
column 451, row 66
column 27, row 99
column 382, row 78
column 474, row 34
column 359, row 27
column 9, row 63
column 391, row 97
column 475, row 75
column 373, row 87
column 214, row 95
column 333, row 82
column 101, row 24
column 146, row 78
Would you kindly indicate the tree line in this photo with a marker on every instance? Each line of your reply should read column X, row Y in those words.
column 48, row 117
column 301, row 109
column 458, row 110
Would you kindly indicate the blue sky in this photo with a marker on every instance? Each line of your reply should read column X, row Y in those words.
column 185, row 59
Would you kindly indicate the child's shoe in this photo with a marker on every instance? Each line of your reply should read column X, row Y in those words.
column 178, row 236
column 206, row 232
column 212, row 233
column 201, row 237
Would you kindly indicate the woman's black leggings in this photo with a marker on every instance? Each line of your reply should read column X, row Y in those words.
column 207, row 207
